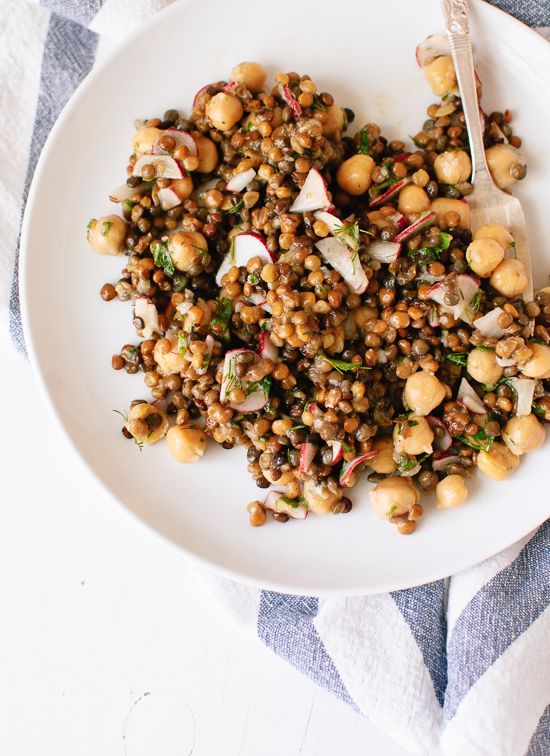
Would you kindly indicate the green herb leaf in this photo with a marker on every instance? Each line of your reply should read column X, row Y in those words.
column 105, row 226
column 294, row 503
column 475, row 303
column 480, row 441
column 253, row 279
column 223, row 315
column 123, row 414
column 485, row 348
column 139, row 444
column 264, row 385
column 201, row 250
column 179, row 282
column 127, row 205
column 538, row 410
column 297, row 427
column 407, row 463
column 363, row 148
column 391, row 510
column 459, row 358
column 264, row 325
column 183, row 341
column 235, row 209
column 379, row 189
column 431, row 254
column 320, row 105
column 342, row 366
column 162, row 257
column 412, row 423
column 347, row 448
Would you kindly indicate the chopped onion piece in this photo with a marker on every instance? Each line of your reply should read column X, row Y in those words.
column 488, row 324
column 277, row 503
column 313, row 195
column 525, row 392
column 241, row 180
column 345, row 261
column 384, row 251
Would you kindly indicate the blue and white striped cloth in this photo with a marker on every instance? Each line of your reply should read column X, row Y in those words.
column 462, row 663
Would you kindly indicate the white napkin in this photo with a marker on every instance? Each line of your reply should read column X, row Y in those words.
column 463, row 663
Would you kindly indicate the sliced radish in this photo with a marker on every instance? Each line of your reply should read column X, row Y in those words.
column 182, row 139
column 313, row 195
column 402, row 157
column 345, row 261
column 199, row 93
column 314, row 409
column 260, row 301
column 443, row 441
column 268, row 350
column 243, row 248
column 168, row 198
column 307, row 453
column 428, row 219
column 291, row 101
column 125, row 192
column 384, row 251
column 425, row 277
column 410, row 472
column 230, row 87
column 255, row 400
column 209, row 341
column 469, row 398
column 337, row 452
column 165, row 165
column 488, row 324
column 241, row 180
column 349, row 467
column 433, row 47
column 399, row 220
column 465, row 286
column 391, row 191
column 443, row 462
column 525, row 392
column 334, row 224
column 146, row 310
column 277, row 503
column 505, row 362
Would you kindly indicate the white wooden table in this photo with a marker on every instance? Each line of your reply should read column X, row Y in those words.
column 108, row 645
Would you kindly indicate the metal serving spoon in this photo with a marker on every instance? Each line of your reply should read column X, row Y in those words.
column 488, row 203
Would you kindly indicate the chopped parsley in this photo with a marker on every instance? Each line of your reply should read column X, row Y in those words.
column 91, row 223
column 320, row 105
column 475, row 303
column 105, row 226
column 123, row 414
column 431, row 254
column 253, row 279
column 342, row 366
column 391, row 510
column 537, row 410
column 139, row 444
column 407, row 463
column 349, row 235
column 127, row 205
column 264, row 325
column 183, row 341
column 162, row 257
column 222, row 317
column 264, row 385
column 459, row 358
column 363, row 148
column 379, row 189
column 235, row 209
column 297, row 427
column 347, row 448
column 179, row 282
column 485, row 348
column 412, row 423
column 294, row 503
column 201, row 250
column 480, row 441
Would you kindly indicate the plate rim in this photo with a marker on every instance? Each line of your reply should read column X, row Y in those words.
column 38, row 368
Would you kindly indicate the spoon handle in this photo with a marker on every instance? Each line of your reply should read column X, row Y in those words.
column 456, row 18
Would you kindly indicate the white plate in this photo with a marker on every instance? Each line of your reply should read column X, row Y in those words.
column 366, row 59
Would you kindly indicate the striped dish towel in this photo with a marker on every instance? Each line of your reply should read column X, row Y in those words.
column 462, row 663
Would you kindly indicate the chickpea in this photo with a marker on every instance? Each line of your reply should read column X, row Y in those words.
column 451, row 492
column 208, row 153
column 393, row 497
column 440, row 74
column 252, row 75
column 186, row 444
column 501, row 160
column 509, row 278
column 539, row 364
column 498, row 463
column 185, row 249
column 318, row 497
column 453, row 167
column 495, row 231
column 334, row 123
column 285, row 479
column 384, row 462
column 144, row 140
column 183, row 187
column 523, row 434
column 483, row 367
column 354, row 176
column 423, row 392
column 413, row 199
column 484, row 255
column 223, row 111
column 147, row 423
column 443, row 205
column 413, row 436
column 167, row 356
column 107, row 235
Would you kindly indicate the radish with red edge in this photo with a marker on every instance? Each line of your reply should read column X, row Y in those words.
column 313, row 195
column 313, row 408
column 260, row 301
column 525, row 394
column 199, row 93
column 399, row 220
column 402, row 157
column 241, row 180
column 146, row 310
column 210, row 343
column 346, row 262
column 277, row 502
column 182, row 139
column 256, row 398
column 332, row 221
column 428, row 219
column 444, row 440
column 469, row 398
column 337, row 451
column 165, row 165
column 464, row 291
column 391, row 191
column 291, row 101
column 384, row 251
column 443, row 462
column 488, row 324
column 268, row 350
column 125, row 192
column 243, row 248
column 230, row 87
column 307, row 454
column 168, row 198
column 349, row 467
